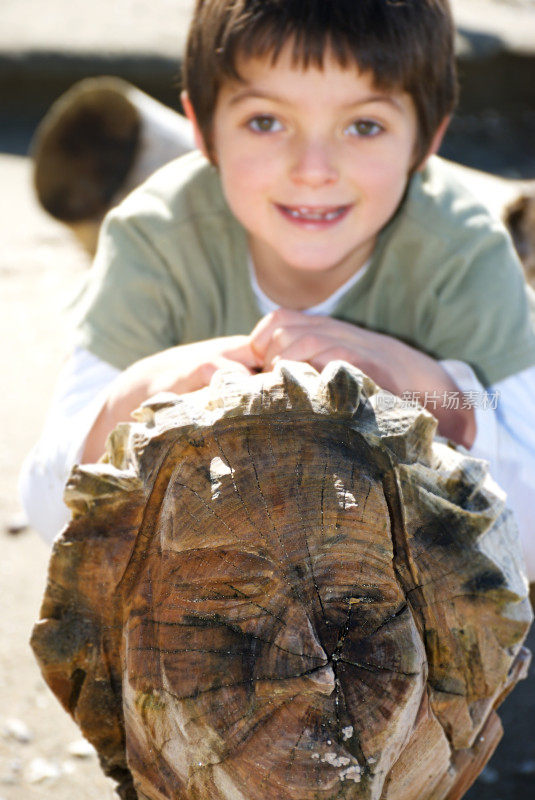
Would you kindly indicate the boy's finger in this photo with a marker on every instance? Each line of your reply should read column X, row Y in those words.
column 226, row 370
column 301, row 348
column 312, row 335
column 227, row 365
column 263, row 330
column 243, row 353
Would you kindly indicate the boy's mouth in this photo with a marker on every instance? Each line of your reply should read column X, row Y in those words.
column 319, row 215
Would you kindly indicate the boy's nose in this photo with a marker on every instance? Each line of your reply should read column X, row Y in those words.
column 312, row 164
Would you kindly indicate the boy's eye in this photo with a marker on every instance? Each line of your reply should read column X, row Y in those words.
column 364, row 127
column 264, row 124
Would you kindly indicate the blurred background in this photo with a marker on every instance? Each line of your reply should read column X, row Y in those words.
column 45, row 48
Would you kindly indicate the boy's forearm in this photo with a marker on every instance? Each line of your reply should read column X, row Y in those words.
column 111, row 414
column 136, row 384
column 179, row 369
column 417, row 374
column 458, row 425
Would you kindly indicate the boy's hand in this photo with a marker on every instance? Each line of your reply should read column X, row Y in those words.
column 189, row 367
column 392, row 364
column 179, row 369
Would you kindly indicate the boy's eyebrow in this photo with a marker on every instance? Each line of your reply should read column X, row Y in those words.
column 246, row 94
column 259, row 94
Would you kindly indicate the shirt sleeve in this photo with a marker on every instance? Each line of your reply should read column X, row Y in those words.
column 81, row 390
column 483, row 311
column 130, row 308
column 506, row 439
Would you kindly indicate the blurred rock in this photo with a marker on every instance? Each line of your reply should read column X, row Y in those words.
column 18, row 730
column 81, row 748
column 42, row 769
column 17, row 523
column 13, row 774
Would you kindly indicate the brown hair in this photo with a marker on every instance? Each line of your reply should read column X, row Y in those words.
column 406, row 44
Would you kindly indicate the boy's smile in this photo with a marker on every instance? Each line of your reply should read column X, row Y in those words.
column 314, row 217
column 313, row 162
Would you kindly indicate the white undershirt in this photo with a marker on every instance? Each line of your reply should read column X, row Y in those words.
column 505, row 436
column 326, row 307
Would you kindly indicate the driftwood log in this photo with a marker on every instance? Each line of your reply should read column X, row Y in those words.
column 519, row 217
column 282, row 587
column 104, row 137
column 97, row 142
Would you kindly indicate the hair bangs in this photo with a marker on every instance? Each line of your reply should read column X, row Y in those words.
column 369, row 39
column 407, row 45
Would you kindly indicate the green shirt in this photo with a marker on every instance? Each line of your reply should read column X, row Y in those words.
column 172, row 268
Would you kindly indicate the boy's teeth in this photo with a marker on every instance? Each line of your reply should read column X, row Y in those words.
column 306, row 213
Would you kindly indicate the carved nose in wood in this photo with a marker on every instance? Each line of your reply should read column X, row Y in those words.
column 323, row 679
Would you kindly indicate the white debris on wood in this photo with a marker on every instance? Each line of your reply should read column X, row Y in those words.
column 336, row 761
column 346, row 499
column 351, row 774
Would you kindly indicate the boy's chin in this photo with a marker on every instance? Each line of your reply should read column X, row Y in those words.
column 319, row 262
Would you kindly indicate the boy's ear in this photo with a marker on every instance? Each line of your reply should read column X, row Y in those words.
column 190, row 114
column 436, row 141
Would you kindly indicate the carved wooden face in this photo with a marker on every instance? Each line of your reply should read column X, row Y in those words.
column 270, row 639
column 287, row 593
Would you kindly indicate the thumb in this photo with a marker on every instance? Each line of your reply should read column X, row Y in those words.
column 228, row 371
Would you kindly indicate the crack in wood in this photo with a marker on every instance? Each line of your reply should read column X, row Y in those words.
column 298, row 471
column 294, row 589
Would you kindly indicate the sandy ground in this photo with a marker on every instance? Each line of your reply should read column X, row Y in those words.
column 41, row 269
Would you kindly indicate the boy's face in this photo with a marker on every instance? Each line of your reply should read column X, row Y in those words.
column 313, row 164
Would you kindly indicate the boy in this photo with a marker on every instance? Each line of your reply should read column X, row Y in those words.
column 313, row 224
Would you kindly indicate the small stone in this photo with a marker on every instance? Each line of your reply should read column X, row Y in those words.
column 41, row 769
column 13, row 775
column 489, row 775
column 18, row 730
column 42, row 701
column 81, row 748
column 17, row 523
